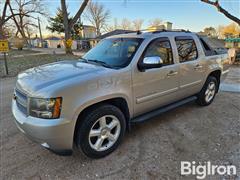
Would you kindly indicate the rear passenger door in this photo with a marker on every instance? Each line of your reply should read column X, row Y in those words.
column 191, row 66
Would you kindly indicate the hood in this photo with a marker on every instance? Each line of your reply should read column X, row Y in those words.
column 40, row 77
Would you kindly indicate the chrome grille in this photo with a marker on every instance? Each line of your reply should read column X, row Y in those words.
column 21, row 101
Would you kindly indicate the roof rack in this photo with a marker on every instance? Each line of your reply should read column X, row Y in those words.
column 157, row 31
column 173, row 30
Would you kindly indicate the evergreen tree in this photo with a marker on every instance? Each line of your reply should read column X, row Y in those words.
column 56, row 25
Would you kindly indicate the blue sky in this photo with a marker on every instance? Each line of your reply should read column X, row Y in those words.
column 186, row 14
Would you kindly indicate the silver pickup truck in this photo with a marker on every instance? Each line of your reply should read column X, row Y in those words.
column 125, row 79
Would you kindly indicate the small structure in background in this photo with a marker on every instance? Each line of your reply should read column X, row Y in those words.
column 233, row 44
column 166, row 26
column 54, row 42
column 35, row 42
column 87, row 37
column 88, row 32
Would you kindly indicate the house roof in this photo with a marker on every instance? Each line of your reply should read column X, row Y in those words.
column 115, row 32
column 35, row 38
column 53, row 38
column 88, row 26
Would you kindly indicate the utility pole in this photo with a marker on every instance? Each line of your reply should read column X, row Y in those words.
column 40, row 32
column 5, row 63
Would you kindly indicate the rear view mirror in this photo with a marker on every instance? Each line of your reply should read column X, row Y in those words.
column 151, row 62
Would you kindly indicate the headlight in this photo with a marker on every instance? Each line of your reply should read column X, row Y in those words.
column 45, row 108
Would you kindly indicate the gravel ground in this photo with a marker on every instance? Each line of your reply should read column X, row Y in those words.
column 152, row 150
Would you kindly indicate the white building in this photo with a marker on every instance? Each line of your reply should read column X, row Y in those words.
column 88, row 32
column 166, row 26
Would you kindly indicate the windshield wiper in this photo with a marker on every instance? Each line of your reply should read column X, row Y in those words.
column 102, row 63
column 84, row 60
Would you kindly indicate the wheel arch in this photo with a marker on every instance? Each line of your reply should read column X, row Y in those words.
column 119, row 102
column 217, row 75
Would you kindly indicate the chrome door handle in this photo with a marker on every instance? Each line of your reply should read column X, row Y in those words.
column 198, row 66
column 172, row 73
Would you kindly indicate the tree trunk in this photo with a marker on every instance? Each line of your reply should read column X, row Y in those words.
column 67, row 28
column 1, row 31
column 40, row 32
column 68, row 24
column 68, row 50
column 98, row 30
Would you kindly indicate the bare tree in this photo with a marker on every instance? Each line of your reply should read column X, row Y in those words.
column 210, row 31
column 222, row 10
column 69, row 23
column 112, row 27
column 97, row 15
column 4, row 17
column 220, row 33
column 24, row 15
column 155, row 22
column 126, row 24
column 137, row 24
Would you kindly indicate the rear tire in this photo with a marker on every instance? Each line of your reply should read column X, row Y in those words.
column 101, row 131
column 208, row 92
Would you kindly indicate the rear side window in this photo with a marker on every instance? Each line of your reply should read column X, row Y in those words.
column 207, row 50
column 187, row 50
column 162, row 48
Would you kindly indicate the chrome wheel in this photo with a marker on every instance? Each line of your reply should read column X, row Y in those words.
column 210, row 92
column 104, row 133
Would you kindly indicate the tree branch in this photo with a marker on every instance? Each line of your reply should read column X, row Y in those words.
column 222, row 10
column 17, row 14
column 4, row 11
column 18, row 27
column 78, row 14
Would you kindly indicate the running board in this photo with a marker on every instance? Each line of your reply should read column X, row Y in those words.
column 161, row 110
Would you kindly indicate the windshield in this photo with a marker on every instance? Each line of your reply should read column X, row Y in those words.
column 115, row 52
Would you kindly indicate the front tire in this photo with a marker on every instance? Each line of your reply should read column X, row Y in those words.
column 208, row 92
column 101, row 131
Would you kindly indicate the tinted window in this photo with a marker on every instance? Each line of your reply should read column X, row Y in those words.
column 207, row 50
column 117, row 52
column 205, row 46
column 187, row 50
column 161, row 48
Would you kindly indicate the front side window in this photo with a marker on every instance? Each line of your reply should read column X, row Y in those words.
column 115, row 52
column 187, row 50
column 161, row 48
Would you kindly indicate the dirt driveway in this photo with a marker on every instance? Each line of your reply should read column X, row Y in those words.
column 152, row 150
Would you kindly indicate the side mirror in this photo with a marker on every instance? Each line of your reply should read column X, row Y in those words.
column 151, row 62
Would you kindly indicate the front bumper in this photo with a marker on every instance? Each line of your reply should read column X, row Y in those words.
column 54, row 134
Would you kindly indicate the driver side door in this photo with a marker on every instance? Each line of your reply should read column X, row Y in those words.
column 156, row 87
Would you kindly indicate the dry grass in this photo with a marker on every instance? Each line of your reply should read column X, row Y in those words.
column 16, row 65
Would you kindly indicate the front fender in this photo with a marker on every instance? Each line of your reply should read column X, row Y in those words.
column 96, row 100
